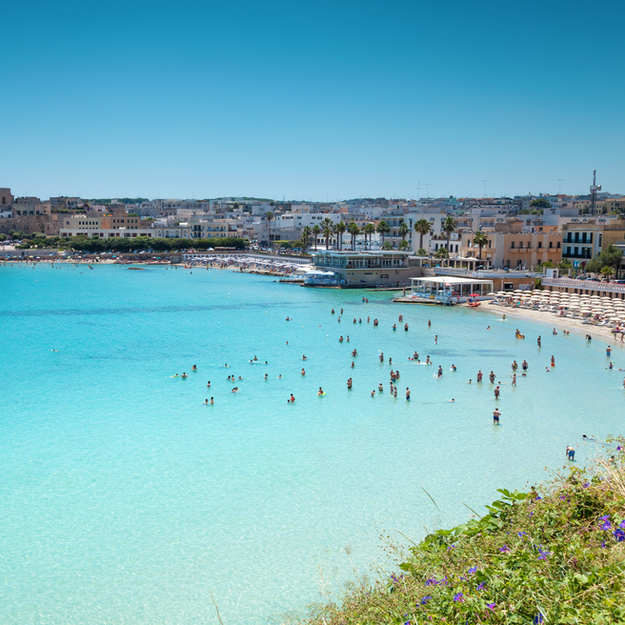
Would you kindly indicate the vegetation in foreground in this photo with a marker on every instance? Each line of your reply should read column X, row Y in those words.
column 555, row 556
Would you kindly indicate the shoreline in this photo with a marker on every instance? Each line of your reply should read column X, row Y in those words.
column 550, row 319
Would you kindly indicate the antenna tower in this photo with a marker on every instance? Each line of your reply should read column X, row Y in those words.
column 594, row 189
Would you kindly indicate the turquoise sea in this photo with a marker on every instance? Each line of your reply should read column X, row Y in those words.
column 124, row 499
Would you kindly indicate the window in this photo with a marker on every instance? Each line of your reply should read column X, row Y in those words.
column 512, row 245
column 540, row 245
column 550, row 244
column 558, row 245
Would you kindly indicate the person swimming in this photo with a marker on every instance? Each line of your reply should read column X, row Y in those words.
column 440, row 371
column 194, row 368
column 184, row 375
column 208, row 384
column 291, row 399
column 320, row 392
column 407, row 394
column 303, row 372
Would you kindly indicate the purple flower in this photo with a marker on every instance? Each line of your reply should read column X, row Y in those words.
column 586, row 485
column 491, row 606
column 619, row 535
column 544, row 555
column 425, row 599
column 451, row 547
column 538, row 619
column 603, row 545
column 459, row 597
column 504, row 549
column 431, row 582
column 472, row 570
column 521, row 534
column 618, row 448
column 481, row 586
column 622, row 525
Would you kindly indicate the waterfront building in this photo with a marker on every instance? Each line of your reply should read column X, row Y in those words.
column 369, row 269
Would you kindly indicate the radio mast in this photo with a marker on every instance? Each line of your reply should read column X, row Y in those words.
column 594, row 189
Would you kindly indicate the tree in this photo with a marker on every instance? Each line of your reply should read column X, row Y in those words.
column 383, row 229
column 306, row 232
column 369, row 230
column 327, row 228
column 422, row 252
column 404, row 245
column 269, row 217
column 387, row 245
column 442, row 252
column 403, row 230
column 565, row 263
column 354, row 231
column 480, row 239
column 340, row 229
column 540, row 202
column 316, row 230
column 610, row 257
column 448, row 226
column 607, row 271
column 422, row 227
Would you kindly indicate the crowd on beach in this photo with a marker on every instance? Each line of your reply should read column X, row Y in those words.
column 591, row 310
column 245, row 264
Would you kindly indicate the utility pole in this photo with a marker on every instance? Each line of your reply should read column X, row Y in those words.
column 418, row 192
column 560, row 180
column 427, row 190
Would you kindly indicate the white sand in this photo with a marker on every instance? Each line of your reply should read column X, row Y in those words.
column 553, row 321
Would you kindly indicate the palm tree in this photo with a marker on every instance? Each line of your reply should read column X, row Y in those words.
column 448, row 226
column 340, row 229
column 369, row 230
column 383, row 229
column 403, row 230
column 354, row 231
column 316, row 230
column 422, row 227
column 306, row 232
column 404, row 245
column 269, row 217
column 480, row 239
column 327, row 228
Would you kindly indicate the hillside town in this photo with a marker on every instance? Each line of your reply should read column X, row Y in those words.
column 517, row 233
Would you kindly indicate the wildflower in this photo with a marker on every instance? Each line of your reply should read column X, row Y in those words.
column 606, row 525
column 586, row 485
column 425, row 599
column 544, row 555
column 491, row 606
column 472, row 570
column 459, row 597
column 622, row 525
column 538, row 619
column 481, row 586
column 451, row 547
column 521, row 534
column 603, row 545
column 504, row 549
column 618, row 448
column 431, row 582
column 619, row 535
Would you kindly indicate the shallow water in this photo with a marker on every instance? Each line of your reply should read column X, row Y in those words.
column 126, row 500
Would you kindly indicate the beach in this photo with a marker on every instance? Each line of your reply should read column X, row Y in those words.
column 553, row 320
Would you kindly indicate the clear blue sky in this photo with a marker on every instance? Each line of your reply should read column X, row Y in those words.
column 311, row 99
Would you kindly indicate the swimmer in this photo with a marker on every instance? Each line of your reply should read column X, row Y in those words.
column 206, row 402
column 55, row 350
column 488, row 327
column 304, row 357
column 515, row 365
column 340, row 339
column 320, row 391
column 280, row 377
column 496, row 415
column 333, row 311
column 469, row 382
column 372, row 393
column 184, row 375
column 265, row 376
column 354, row 354
column 194, row 368
column 381, row 356
column 212, row 400
column 452, row 400
column 454, row 368
column 611, row 365
column 349, row 384
column 427, row 360
column 570, row 453
column 380, row 388
column 497, row 392
column 608, row 351
column 406, row 327
column 341, row 311
column 503, row 318
column 491, row 377
column 291, row 399
column 407, row 394
column 429, row 323
column 303, row 372
column 479, row 376
column 525, row 366
column 235, row 389
column 395, row 393
column 538, row 341
column 359, row 319
column 348, row 338
column 553, row 361
column 390, row 361
column 440, row 372
column 436, row 340
column 554, row 332
column 354, row 319
column 401, row 318
column 513, row 376
column 208, row 384
column 353, row 365
column 394, row 327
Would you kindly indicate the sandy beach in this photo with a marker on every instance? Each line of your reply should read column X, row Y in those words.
column 554, row 321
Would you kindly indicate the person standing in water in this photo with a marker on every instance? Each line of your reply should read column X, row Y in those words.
column 496, row 415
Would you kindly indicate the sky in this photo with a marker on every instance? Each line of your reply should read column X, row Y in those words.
column 311, row 99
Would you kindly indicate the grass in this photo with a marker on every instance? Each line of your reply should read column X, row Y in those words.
column 552, row 555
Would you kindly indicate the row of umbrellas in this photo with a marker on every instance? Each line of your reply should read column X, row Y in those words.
column 589, row 305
